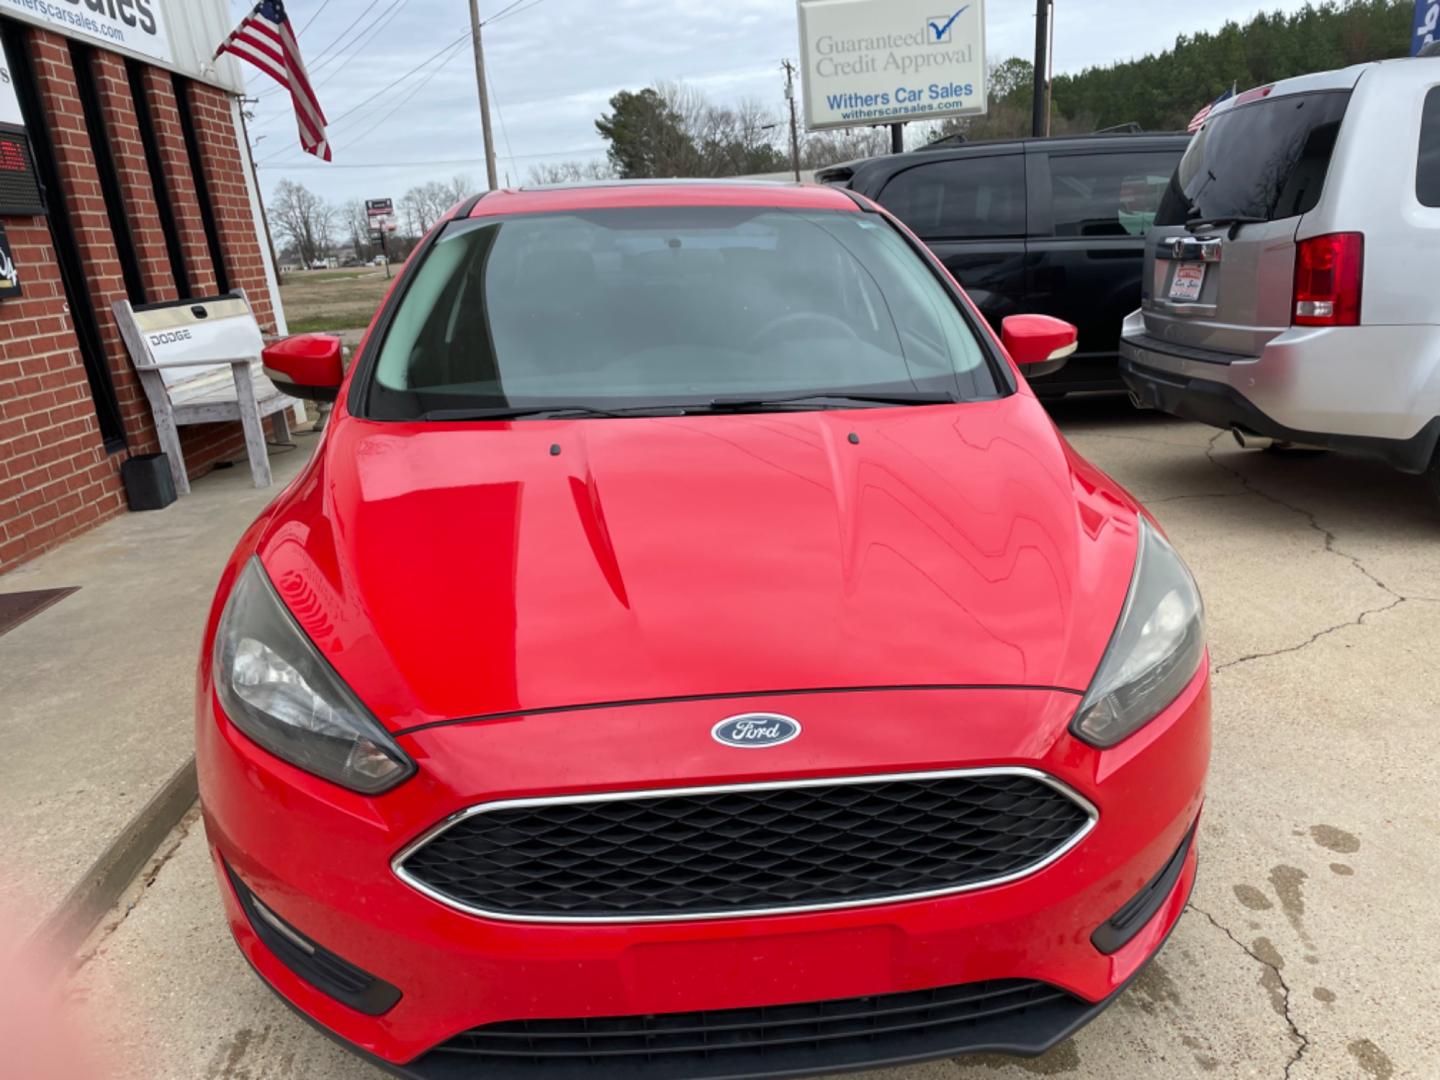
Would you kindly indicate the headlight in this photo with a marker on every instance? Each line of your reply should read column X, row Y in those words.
column 1156, row 649
column 279, row 690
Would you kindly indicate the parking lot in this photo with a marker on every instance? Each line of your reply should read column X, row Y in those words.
column 1307, row 950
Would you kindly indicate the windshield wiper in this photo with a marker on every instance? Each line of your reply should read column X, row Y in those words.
column 821, row 401
column 1232, row 220
column 716, row 405
column 548, row 412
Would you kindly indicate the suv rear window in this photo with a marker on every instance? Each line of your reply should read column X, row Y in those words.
column 1265, row 160
column 1427, row 173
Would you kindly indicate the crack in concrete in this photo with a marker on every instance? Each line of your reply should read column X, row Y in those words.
column 1302, row 1040
column 1358, row 621
column 1198, row 495
column 1082, row 434
column 1331, row 548
column 137, row 890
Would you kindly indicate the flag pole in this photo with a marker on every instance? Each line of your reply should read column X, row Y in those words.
column 259, row 195
column 490, row 171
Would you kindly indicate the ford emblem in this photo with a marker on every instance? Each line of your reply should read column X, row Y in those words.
column 756, row 731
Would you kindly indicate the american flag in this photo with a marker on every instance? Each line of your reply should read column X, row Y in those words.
column 265, row 39
column 1204, row 114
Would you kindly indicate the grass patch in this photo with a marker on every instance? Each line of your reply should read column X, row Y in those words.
column 319, row 301
column 323, row 324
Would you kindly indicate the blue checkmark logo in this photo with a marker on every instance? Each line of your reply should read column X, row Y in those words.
column 942, row 30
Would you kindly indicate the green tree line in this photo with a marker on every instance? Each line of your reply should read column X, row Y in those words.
column 1163, row 92
column 672, row 130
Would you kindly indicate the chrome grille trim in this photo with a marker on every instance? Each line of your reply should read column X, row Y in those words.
column 397, row 864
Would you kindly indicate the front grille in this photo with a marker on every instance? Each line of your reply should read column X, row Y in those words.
column 1011, row 1014
column 712, row 852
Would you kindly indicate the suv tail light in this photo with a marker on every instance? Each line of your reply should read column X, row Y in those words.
column 1328, row 273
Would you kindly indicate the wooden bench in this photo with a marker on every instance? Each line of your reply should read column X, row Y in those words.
column 199, row 363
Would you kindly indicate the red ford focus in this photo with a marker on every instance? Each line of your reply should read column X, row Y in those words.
column 693, row 652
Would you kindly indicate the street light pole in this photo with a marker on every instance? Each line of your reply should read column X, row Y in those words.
column 490, row 171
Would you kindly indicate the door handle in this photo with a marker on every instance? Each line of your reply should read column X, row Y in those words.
column 1197, row 249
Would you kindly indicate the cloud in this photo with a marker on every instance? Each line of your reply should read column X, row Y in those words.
column 555, row 65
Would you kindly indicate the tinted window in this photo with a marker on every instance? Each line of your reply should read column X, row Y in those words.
column 1265, row 160
column 638, row 307
column 1108, row 194
column 1427, row 175
column 962, row 198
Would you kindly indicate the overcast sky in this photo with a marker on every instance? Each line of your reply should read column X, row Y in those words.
column 554, row 64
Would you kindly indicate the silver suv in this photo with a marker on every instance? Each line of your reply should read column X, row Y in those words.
column 1290, row 282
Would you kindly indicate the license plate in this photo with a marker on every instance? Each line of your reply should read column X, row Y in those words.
column 1189, row 279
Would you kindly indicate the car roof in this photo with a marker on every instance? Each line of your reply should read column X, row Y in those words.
column 619, row 194
column 1138, row 141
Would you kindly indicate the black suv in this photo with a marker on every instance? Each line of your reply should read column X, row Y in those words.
column 1055, row 226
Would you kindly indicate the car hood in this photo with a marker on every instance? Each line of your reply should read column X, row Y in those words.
column 452, row 570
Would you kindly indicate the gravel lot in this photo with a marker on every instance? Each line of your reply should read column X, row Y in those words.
column 1308, row 949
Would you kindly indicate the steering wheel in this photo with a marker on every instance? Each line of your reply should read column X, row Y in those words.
column 817, row 319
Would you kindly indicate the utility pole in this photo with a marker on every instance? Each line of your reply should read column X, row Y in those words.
column 1040, row 118
column 794, row 123
column 490, row 173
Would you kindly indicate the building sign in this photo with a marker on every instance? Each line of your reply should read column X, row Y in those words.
column 889, row 61
column 382, row 215
column 19, row 185
column 9, row 103
column 9, row 276
column 136, row 25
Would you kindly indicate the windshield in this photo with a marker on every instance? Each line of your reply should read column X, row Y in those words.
column 676, row 306
column 1262, row 161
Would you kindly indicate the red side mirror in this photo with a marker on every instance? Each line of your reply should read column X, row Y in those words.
column 306, row 366
column 1038, row 339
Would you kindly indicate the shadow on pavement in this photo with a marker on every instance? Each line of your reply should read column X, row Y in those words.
column 1344, row 492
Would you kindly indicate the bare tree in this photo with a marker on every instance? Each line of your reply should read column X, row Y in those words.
column 571, row 172
column 832, row 147
column 459, row 187
column 302, row 218
column 357, row 226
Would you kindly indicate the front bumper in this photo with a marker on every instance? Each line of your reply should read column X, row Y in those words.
column 320, row 858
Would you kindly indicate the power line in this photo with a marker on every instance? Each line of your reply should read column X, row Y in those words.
column 500, row 112
column 327, row 50
column 579, row 151
column 311, row 21
column 385, row 89
column 502, row 11
column 327, row 56
column 359, row 44
column 511, row 10
column 456, row 50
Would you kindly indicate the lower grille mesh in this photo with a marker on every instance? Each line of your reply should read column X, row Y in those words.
column 737, row 1041
column 730, row 851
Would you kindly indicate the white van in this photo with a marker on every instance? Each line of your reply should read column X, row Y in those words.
column 1292, row 282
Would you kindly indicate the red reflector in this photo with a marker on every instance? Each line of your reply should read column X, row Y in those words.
column 1328, row 273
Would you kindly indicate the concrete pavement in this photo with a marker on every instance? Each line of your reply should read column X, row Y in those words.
column 96, row 693
column 1307, row 952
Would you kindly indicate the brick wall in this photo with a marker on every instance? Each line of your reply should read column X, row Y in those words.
column 55, row 476
column 56, row 479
